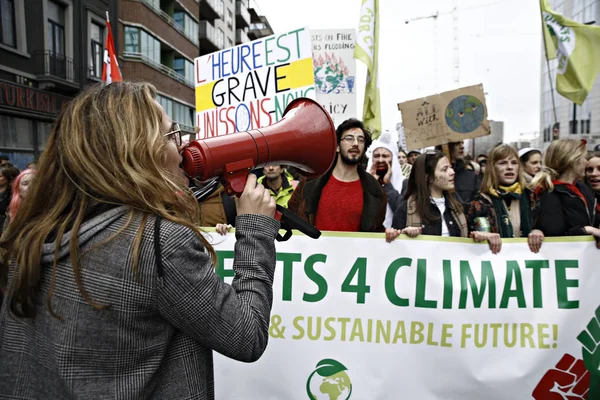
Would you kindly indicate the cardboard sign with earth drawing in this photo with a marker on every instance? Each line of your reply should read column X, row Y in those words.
column 444, row 118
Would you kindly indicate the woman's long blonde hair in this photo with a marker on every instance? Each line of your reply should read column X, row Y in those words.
column 490, row 179
column 561, row 156
column 106, row 147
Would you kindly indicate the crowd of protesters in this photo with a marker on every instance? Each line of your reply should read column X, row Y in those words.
column 106, row 274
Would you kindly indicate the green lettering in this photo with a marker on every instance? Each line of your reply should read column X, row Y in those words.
column 480, row 343
column 563, row 284
column 361, row 288
column 344, row 321
column 309, row 329
column 284, row 48
column 299, row 328
column 390, row 282
column 446, row 334
column 357, row 331
column 468, row 280
column 383, row 331
column 495, row 328
column 513, row 272
column 448, row 289
column 542, row 336
column 537, row 266
column 328, row 322
column 288, row 272
column 416, row 332
column 309, row 270
column 400, row 333
column 420, row 300
column 527, row 334
column 223, row 255
column 267, row 51
column 507, row 341
column 297, row 39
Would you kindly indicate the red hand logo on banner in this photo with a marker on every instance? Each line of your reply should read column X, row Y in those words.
column 568, row 380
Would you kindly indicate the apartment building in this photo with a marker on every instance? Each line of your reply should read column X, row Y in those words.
column 49, row 51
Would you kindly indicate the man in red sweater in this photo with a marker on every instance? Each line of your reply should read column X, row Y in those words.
column 345, row 198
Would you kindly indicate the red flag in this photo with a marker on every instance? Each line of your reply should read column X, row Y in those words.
column 110, row 69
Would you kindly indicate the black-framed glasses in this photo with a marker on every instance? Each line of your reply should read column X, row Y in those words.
column 175, row 134
column 351, row 139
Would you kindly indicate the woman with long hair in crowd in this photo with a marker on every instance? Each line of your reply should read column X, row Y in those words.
column 466, row 184
column 504, row 205
column 592, row 178
column 20, row 187
column 404, row 164
column 531, row 163
column 567, row 205
column 7, row 176
column 430, row 205
column 111, row 287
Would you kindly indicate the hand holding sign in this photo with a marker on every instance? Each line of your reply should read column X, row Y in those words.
column 590, row 339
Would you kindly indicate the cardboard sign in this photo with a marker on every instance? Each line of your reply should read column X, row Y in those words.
column 444, row 118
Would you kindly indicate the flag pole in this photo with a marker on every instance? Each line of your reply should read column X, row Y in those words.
column 548, row 66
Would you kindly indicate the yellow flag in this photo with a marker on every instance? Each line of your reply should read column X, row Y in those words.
column 577, row 47
column 366, row 50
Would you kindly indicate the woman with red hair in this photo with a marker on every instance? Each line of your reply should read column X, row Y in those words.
column 19, row 190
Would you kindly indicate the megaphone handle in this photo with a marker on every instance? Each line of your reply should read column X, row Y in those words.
column 290, row 221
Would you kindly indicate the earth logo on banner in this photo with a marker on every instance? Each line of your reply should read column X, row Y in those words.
column 329, row 381
column 331, row 75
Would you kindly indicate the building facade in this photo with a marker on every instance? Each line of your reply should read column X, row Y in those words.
column 579, row 122
column 160, row 39
column 49, row 51
column 483, row 145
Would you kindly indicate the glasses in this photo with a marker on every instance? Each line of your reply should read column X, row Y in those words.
column 351, row 139
column 175, row 134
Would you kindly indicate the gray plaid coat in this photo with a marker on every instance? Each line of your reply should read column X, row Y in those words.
column 155, row 339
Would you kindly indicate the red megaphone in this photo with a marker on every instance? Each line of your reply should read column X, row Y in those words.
column 304, row 138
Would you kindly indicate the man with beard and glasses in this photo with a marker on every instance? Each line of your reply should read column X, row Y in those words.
column 345, row 198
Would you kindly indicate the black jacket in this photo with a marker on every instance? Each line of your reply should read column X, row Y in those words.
column 433, row 228
column 305, row 200
column 465, row 182
column 563, row 213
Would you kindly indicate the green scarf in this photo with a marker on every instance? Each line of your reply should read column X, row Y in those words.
column 499, row 198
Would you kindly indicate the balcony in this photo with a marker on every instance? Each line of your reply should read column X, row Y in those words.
column 208, row 38
column 242, row 15
column 169, row 20
column 241, row 36
column 211, row 9
column 162, row 68
column 56, row 68
column 259, row 30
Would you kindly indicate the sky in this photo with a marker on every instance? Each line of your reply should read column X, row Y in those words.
column 499, row 41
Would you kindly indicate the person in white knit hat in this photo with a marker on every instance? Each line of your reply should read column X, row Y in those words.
column 384, row 166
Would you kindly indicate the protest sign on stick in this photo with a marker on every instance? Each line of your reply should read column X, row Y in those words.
column 444, row 118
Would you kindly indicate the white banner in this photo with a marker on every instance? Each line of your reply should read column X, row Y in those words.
column 335, row 71
column 357, row 318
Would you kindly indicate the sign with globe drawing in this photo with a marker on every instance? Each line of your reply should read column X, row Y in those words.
column 446, row 117
column 335, row 71
column 329, row 381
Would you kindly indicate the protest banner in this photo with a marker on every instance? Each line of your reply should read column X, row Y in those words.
column 429, row 318
column 249, row 86
column 444, row 118
column 335, row 71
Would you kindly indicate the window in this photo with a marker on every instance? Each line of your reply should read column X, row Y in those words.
column 96, row 50
column 229, row 19
column 56, row 29
column 178, row 112
column 220, row 38
column 220, row 7
column 584, row 11
column 184, row 68
column 132, row 40
column 580, row 118
column 139, row 42
column 15, row 133
column 188, row 24
column 7, row 23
